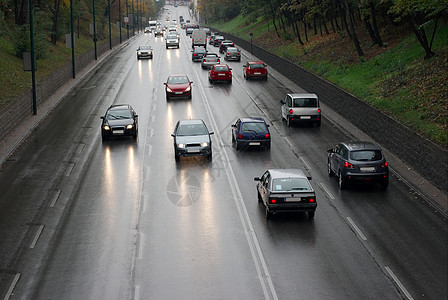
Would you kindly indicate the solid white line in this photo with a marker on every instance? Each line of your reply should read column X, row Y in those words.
column 398, row 282
column 55, row 197
column 288, row 141
column 12, row 286
column 140, row 246
column 304, row 163
column 254, row 245
column 36, row 237
column 137, row 292
column 80, row 148
column 326, row 191
column 69, row 169
column 357, row 229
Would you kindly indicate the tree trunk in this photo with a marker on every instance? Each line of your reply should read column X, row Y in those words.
column 352, row 27
column 325, row 24
column 21, row 12
column 54, row 34
column 296, row 29
column 375, row 26
column 421, row 37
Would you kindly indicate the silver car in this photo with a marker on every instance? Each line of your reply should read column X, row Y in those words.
column 301, row 108
column 192, row 138
column 209, row 60
column 144, row 51
column 172, row 41
column 232, row 53
column 286, row 190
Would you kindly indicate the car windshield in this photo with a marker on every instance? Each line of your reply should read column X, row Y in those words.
column 172, row 36
column 366, row 155
column 117, row 114
column 221, row 69
column 290, row 184
column 254, row 127
column 305, row 102
column 145, row 48
column 177, row 80
column 192, row 129
column 256, row 66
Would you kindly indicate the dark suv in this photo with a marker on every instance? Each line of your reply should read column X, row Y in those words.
column 224, row 44
column 358, row 162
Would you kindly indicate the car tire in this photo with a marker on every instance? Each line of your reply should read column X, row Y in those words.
column 167, row 98
column 311, row 215
column 210, row 157
column 268, row 214
column 176, row 156
column 385, row 185
column 138, row 57
column 342, row 181
column 189, row 97
column 268, row 146
column 237, row 146
column 230, row 81
column 210, row 80
column 265, row 77
column 329, row 170
column 259, row 197
column 318, row 123
column 288, row 121
column 134, row 135
column 104, row 137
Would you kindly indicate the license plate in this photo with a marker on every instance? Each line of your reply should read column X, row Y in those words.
column 257, row 73
column 118, row 132
column 367, row 169
column 178, row 93
column 293, row 199
column 305, row 117
column 221, row 74
column 254, row 143
column 193, row 150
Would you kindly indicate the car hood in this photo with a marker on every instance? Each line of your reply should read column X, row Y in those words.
column 178, row 87
column 192, row 139
column 119, row 122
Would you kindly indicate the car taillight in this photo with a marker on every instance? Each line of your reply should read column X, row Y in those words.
column 291, row 111
column 311, row 200
column 348, row 165
column 240, row 136
column 267, row 135
column 219, row 61
column 384, row 164
column 273, row 200
column 318, row 110
column 239, row 53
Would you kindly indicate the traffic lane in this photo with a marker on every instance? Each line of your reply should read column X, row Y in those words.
column 187, row 234
column 310, row 145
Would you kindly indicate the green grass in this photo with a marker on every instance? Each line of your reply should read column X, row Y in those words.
column 397, row 81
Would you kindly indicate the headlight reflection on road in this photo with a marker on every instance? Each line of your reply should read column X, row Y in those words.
column 108, row 173
column 140, row 71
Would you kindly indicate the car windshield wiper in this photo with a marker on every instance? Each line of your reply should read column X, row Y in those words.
column 298, row 189
column 250, row 130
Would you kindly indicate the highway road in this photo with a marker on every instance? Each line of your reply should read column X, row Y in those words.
column 83, row 218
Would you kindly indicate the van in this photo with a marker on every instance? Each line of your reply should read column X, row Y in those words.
column 198, row 38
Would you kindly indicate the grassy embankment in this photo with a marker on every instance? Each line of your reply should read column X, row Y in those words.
column 395, row 79
column 14, row 81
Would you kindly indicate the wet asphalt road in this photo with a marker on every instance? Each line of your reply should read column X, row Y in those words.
column 86, row 219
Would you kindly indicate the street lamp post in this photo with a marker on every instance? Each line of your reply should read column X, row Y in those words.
column 110, row 29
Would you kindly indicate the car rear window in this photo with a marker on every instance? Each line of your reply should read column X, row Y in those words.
column 305, row 102
column 199, row 50
column 191, row 129
column 212, row 55
column 290, row 184
column 256, row 66
column 253, row 127
column 366, row 155
column 232, row 50
column 221, row 69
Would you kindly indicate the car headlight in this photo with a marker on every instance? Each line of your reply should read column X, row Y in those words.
column 204, row 144
column 129, row 126
column 180, row 145
column 188, row 89
column 139, row 52
column 106, row 127
column 169, row 90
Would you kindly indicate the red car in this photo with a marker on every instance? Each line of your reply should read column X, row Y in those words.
column 255, row 69
column 178, row 86
column 220, row 72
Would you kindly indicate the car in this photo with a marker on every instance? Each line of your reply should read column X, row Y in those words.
column 224, row 44
column 232, row 53
column 220, row 72
column 251, row 132
column 255, row 69
column 144, row 51
column 178, row 86
column 301, row 108
column 358, row 162
column 172, row 40
column 147, row 30
column 208, row 32
column 189, row 31
column 198, row 53
column 217, row 39
column 158, row 32
column 119, row 120
column 286, row 190
column 212, row 36
column 192, row 138
column 209, row 60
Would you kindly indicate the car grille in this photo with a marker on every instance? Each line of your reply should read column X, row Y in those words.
column 194, row 145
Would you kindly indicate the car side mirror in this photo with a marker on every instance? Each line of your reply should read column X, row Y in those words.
column 330, row 150
column 102, row 118
column 282, row 101
column 257, row 179
column 191, row 82
column 164, row 83
column 230, row 69
column 309, row 177
column 173, row 135
column 136, row 116
column 268, row 125
column 211, row 132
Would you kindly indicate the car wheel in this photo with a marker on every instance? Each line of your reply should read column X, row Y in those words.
column 138, row 57
column 265, row 77
column 318, row 123
column 268, row 146
column 288, row 121
column 311, row 215
column 167, row 97
column 230, row 81
column 104, row 137
column 166, row 47
column 329, row 170
column 342, row 181
column 176, row 156
column 189, row 97
column 384, row 185
column 233, row 140
column 134, row 136
column 210, row 80
column 268, row 214
column 237, row 146
column 259, row 197
column 210, row 156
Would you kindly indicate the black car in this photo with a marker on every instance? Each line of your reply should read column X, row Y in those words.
column 358, row 162
column 224, row 44
column 217, row 39
column 251, row 132
column 144, row 51
column 286, row 190
column 192, row 138
column 198, row 53
column 119, row 120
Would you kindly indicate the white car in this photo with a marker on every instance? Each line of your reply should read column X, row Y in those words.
column 172, row 41
column 301, row 108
